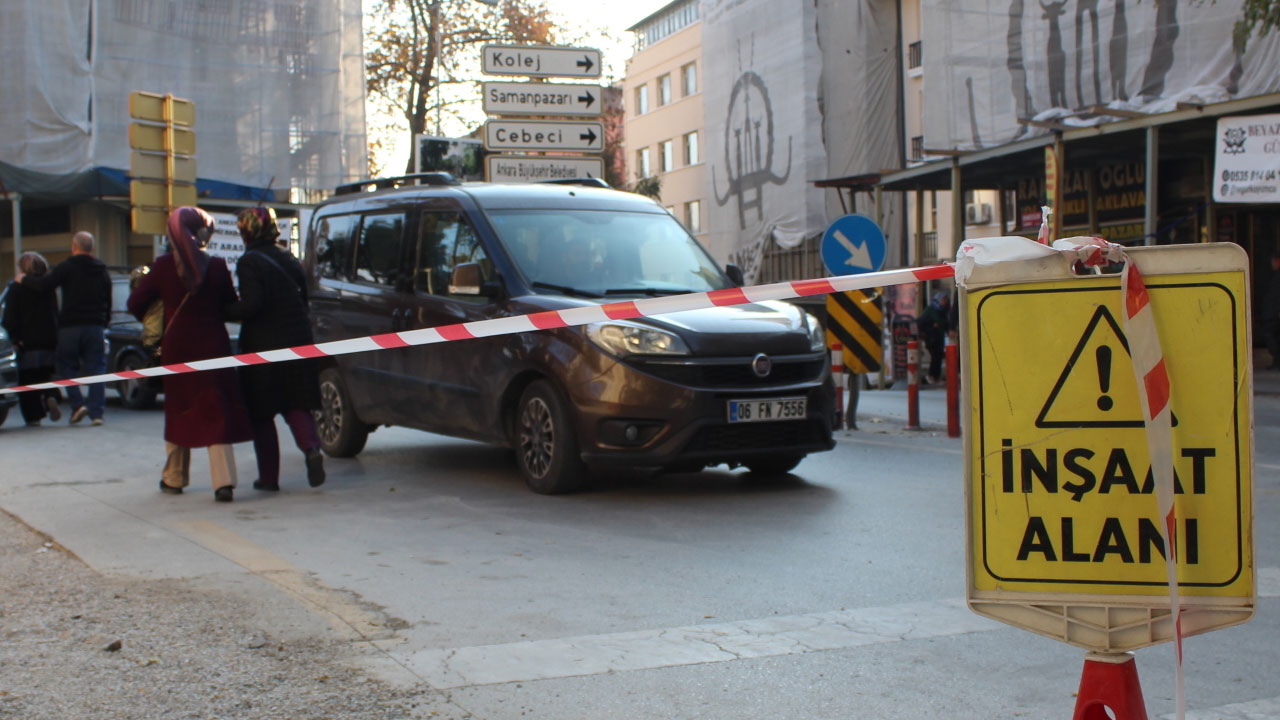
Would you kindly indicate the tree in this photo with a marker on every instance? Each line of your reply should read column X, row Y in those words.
column 417, row 49
column 1260, row 15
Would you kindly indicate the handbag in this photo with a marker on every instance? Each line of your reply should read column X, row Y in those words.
column 153, row 318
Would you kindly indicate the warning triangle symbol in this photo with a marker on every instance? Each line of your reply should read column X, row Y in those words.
column 1096, row 389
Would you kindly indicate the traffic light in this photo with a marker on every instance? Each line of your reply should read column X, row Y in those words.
column 163, row 164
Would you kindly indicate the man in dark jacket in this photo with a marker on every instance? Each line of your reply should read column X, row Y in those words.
column 82, row 322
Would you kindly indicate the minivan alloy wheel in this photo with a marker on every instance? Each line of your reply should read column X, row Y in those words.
column 543, row 436
column 342, row 434
column 537, row 437
column 329, row 419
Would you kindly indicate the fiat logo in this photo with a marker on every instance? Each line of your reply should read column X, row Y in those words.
column 761, row 365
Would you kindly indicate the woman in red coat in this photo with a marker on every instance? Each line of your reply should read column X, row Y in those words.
column 203, row 409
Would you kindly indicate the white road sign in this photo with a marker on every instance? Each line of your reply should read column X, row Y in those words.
column 541, row 61
column 551, row 135
column 538, row 98
column 525, row 169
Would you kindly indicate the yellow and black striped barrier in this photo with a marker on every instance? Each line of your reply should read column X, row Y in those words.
column 854, row 319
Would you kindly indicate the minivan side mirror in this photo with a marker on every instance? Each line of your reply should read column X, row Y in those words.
column 735, row 274
column 468, row 279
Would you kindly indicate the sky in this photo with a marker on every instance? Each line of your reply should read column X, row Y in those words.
column 603, row 25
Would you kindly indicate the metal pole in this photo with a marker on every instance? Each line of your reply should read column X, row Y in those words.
column 837, row 376
column 15, row 199
column 1149, row 218
column 953, row 388
column 957, row 206
column 913, row 384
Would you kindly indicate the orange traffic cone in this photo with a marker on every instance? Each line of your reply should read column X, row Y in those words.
column 1109, row 689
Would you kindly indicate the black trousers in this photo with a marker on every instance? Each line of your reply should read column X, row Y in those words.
column 32, row 402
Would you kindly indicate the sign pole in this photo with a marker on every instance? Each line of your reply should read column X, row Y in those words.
column 913, row 384
column 837, row 376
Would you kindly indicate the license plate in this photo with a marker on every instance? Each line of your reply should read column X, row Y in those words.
column 792, row 408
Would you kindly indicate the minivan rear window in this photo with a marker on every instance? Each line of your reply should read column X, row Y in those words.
column 606, row 253
column 333, row 245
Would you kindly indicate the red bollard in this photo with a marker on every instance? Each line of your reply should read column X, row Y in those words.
column 1109, row 689
column 913, row 384
column 837, row 376
column 953, row 389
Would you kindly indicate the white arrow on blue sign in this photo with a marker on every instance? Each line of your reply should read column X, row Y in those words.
column 853, row 244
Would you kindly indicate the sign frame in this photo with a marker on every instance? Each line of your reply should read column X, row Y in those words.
column 1092, row 609
column 570, row 98
column 541, row 61
column 547, row 163
column 569, row 135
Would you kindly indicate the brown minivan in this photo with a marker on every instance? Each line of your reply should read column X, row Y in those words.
column 747, row 385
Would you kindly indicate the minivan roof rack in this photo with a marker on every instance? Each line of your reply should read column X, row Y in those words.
column 431, row 178
column 586, row 181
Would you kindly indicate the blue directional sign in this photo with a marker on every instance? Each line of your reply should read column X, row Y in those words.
column 853, row 244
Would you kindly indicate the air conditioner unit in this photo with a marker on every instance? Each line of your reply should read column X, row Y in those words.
column 977, row 213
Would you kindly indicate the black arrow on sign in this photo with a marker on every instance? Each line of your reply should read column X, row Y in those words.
column 585, row 63
column 590, row 136
column 587, row 99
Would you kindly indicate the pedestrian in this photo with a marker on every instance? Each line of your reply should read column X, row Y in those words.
column 272, row 312
column 82, row 323
column 31, row 317
column 1271, row 313
column 203, row 409
column 932, row 326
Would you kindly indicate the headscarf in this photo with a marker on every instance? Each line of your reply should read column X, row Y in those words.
column 258, row 226
column 189, row 229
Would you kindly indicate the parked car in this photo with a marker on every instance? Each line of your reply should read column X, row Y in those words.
column 8, row 373
column 125, row 350
column 748, row 385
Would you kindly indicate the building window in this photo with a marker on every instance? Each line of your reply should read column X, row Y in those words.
column 666, row 156
column 664, row 89
column 642, row 163
column 689, row 79
column 642, row 99
column 917, row 147
column 915, row 55
column 693, row 216
column 672, row 21
column 691, row 156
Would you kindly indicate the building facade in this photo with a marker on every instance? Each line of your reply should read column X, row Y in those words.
column 278, row 91
column 662, row 96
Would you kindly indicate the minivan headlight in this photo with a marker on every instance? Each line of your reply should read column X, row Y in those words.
column 623, row 338
column 817, row 336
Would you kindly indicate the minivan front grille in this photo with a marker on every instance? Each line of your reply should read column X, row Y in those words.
column 734, row 373
column 756, row 436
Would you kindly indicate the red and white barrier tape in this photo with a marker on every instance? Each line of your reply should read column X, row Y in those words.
column 645, row 307
column 1154, row 392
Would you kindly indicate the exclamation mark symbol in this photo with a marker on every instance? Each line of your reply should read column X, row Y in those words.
column 1104, row 377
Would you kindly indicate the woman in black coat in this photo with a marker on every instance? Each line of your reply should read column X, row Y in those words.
column 31, row 318
column 272, row 312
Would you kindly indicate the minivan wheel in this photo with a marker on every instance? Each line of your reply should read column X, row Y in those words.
column 341, row 432
column 773, row 466
column 135, row 393
column 546, row 449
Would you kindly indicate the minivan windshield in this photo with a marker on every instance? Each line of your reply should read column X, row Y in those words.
column 598, row 253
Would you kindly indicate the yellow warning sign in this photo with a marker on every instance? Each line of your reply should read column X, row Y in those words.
column 1065, row 499
column 1064, row 532
column 853, row 320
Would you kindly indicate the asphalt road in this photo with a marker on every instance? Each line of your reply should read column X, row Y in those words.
column 837, row 593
